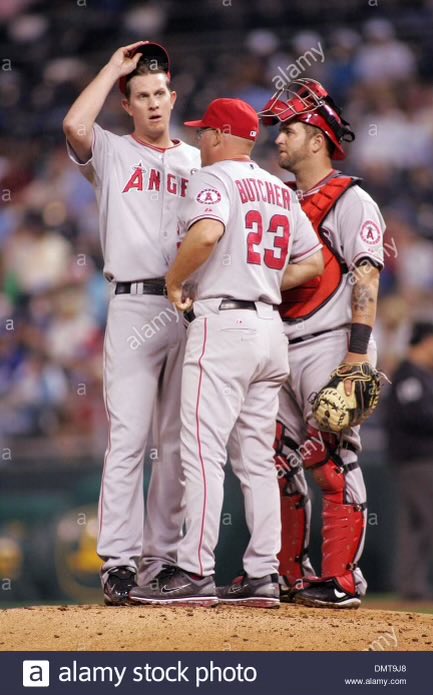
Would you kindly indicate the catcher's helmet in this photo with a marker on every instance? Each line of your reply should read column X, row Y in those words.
column 154, row 54
column 308, row 101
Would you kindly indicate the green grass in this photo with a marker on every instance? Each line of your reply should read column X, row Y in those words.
column 392, row 602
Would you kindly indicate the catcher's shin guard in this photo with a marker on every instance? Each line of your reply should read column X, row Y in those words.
column 295, row 509
column 343, row 524
column 343, row 534
column 295, row 520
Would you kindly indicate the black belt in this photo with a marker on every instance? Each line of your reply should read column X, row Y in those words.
column 153, row 286
column 236, row 304
column 239, row 304
column 228, row 304
column 309, row 336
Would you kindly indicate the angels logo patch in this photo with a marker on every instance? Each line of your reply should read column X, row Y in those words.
column 208, row 196
column 370, row 233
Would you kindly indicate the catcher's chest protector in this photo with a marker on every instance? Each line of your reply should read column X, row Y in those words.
column 303, row 301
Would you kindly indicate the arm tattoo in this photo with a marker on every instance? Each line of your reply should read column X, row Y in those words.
column 363, row 299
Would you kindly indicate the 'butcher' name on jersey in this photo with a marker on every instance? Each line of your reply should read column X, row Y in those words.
column 143, row 179
column 252, row 190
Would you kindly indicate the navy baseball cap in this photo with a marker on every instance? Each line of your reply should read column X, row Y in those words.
column 154, row 54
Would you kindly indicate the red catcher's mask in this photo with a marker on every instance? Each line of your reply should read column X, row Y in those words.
column 308, row 101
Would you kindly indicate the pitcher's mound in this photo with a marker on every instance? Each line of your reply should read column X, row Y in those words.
column 225, row 628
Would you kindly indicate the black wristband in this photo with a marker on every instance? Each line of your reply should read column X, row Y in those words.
column 359, row 338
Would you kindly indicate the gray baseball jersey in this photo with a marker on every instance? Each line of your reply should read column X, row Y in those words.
column 354, row 229
column 267, row 223
column 138, row 189
column 236, row 359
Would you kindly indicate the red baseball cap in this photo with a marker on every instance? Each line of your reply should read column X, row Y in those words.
column 232, row 116
column 152, row 52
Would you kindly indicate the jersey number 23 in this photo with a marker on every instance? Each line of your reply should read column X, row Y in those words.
column 276, row 256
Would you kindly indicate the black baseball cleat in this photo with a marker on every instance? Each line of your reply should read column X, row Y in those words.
column 326, row 594
column 174, row 586
column 118, row 585
column 247, row 591
column 287, row 590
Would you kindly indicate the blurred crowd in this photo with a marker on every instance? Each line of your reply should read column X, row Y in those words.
column 375, row 59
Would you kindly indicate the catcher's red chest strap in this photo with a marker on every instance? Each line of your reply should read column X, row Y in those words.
column 303, row 301
column 319, row 205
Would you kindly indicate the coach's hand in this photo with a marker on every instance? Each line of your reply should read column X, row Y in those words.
column 122, row 61
column 176, row 296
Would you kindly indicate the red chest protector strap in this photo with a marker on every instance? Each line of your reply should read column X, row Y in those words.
column 303, row 301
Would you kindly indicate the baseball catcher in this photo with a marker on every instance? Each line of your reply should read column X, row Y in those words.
column 328, row 323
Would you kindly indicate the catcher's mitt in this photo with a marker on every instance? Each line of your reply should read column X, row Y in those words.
column 334, row 410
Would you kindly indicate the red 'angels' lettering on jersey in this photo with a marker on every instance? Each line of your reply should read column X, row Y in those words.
column 253, row 190
column 278, row 225
column 370, row 233
column 150, row 180
column 154, row 180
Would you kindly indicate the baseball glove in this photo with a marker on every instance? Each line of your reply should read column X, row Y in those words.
column 334, row 410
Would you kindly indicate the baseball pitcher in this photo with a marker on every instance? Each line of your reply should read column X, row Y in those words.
column 139, row 181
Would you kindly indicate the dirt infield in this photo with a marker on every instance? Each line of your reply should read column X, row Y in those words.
column 290, row 628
